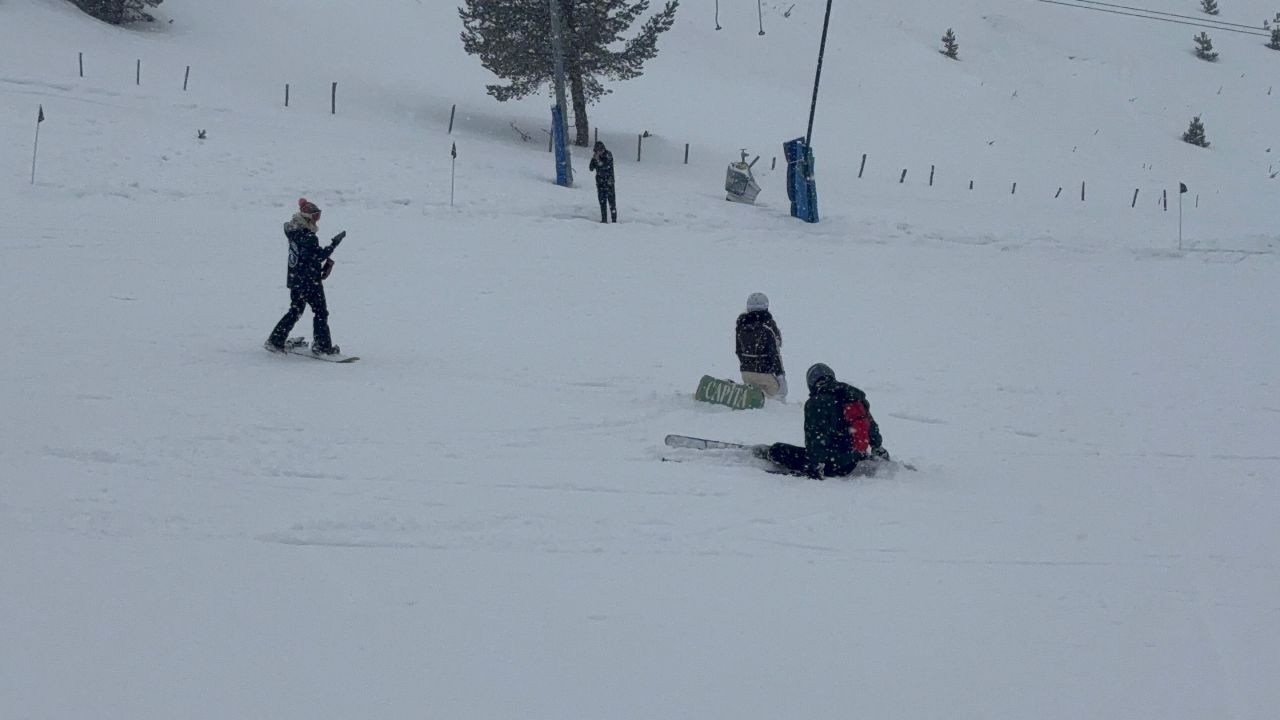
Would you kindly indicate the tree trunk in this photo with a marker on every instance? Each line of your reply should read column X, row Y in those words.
column 579, row 109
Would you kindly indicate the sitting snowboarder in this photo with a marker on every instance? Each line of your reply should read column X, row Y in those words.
column 759, row 348
column 839, row 431
column 309, row 265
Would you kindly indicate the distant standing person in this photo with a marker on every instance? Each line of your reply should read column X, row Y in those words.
column 602, row 166
column 309, row 265
column 759, row 348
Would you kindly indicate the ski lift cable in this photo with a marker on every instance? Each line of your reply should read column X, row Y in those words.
column 1160, row 12
column 1257, row 33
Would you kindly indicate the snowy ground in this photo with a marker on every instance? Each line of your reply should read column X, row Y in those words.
column 474, row 521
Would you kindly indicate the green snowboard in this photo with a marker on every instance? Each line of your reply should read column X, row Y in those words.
column 727, row 392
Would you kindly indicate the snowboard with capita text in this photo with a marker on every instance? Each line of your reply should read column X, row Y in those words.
column 729, row 393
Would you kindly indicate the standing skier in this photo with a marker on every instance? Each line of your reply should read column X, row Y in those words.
column 602, row 166
column 839, row 431
column 759, row 348
column 309, row 265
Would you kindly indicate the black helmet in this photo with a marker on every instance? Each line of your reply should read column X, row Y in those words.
column 818, row 372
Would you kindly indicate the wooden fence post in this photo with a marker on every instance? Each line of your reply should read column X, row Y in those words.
column 931, row 175
column 686, row 153
column 904, row 176
column 452, row 113
column 774, row 166
column 1057, row 194
column 185, row 78
column 286, row 94
column 639, row 145
column 81, row 64
column 333, row 100
column 970, row 184
column 1134, row 204
column 863, row 166
column 1014, row 191
column 1164, row 199
column 1082, row 191
column 138, row 76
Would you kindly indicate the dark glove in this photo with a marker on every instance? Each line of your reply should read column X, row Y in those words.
column 326, row 269
column 881, row 453
column 338, row 238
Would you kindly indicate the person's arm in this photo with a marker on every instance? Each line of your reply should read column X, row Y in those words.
column 593, row 164
column 324, row 253
column 813, row 441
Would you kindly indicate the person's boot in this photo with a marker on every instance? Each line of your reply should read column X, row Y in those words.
column 331, row 350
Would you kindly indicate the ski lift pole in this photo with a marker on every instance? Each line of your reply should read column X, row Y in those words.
column 453, row 171
column 817, row 78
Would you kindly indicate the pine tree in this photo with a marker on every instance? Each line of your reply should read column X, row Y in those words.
column 513, row 40
column 1275, row 33
column 1210, row 7
column 1204, row 47
column 1195, row 133
column 950, row 47
column 118, row 12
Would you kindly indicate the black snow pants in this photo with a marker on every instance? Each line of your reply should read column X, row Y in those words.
column 795, row 459
column 299, row 299
column 608, row 202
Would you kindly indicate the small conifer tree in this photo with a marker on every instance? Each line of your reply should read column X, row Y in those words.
column 1275, row 33
column 1195, row 133
column 1204, row 47
column 950, row 47
column 1210, row 7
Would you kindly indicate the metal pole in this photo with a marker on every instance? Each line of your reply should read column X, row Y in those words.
column 822, row 49
column 557, row 49
column 1179, row 220
column 35, row 151
column 760, row 11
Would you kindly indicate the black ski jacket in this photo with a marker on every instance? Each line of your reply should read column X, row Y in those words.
column 759, row 343
column 839, row 431
column 603, row 168
column 306, row 257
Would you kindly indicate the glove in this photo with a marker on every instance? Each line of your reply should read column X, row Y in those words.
column 881, row 453
column 338, row 238
column 326, row 269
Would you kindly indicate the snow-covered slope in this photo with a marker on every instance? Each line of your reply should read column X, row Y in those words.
column 474, row 521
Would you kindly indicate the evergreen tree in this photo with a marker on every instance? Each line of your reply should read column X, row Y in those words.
column 118, row 12
column 1195, row 133
column 513, row 40
column 1204, row 47
column 950, row 47
column 1210, row 7
column 1275, row 33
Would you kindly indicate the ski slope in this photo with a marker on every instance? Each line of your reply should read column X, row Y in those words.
column 475, row 521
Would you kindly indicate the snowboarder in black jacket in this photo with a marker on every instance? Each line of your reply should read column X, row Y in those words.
column 758, row 344
column 839, row 431
column 602, row 166
column 309, row 265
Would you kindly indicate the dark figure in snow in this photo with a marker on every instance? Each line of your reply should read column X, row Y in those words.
column 309, row 265
column 602, row 166
column 759, row 348
column 839, row 431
